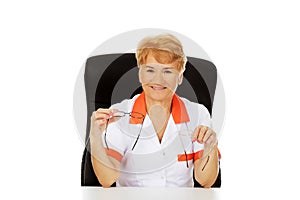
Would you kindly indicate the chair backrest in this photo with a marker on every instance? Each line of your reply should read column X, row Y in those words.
column 105, row 77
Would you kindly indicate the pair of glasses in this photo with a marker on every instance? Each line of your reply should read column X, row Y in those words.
column 119, row 114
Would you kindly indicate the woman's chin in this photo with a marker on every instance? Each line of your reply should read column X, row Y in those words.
column 160, row 95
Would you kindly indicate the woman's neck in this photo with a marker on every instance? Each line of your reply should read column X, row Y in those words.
column 159, row 113
column 154, row 106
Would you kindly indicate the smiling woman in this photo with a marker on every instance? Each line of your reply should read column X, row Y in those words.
column 154, row 140
column 159, row 81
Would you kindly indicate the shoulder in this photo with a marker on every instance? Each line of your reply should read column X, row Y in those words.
column 198, row 113
column 192, row 106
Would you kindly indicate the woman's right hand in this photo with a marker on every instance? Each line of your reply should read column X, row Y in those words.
column 99, row 119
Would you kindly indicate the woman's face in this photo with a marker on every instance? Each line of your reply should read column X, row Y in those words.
column 159, row 81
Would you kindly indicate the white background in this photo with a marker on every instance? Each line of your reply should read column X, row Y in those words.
column 254, row 44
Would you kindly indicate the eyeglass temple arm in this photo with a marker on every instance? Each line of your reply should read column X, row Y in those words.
column 138, row 135
column 105, row 134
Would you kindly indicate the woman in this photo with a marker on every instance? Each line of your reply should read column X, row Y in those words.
column 172, row 136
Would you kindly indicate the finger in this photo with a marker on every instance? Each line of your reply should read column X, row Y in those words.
column 212, row 138
column 103, row 125
column 103, row 110
column 208, row 133
column 202, row 133
column 109, row 111
column 100, row 116
column 212, row 141
column 93, row 116
column 101, row 122
column 113, row 118
column 106, row 114
column 195, row 134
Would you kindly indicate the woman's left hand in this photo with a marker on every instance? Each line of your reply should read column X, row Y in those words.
column 205, row 135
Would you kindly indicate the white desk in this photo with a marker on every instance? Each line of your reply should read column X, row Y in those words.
column 131, row 193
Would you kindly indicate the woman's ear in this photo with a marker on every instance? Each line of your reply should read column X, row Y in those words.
column 139, row 75
column 180, row 78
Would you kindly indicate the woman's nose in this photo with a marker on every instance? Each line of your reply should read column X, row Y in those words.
column 158, row 78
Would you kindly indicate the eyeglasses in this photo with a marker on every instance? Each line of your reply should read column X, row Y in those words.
column 119, row 114
column 184, row 136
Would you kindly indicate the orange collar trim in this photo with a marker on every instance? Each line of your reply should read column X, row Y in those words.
column 179, row 111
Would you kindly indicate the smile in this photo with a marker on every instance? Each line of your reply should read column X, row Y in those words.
column 157, row 88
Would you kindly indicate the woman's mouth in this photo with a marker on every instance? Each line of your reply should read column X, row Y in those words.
column 158, row 87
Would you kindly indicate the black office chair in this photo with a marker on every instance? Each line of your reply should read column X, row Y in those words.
column 105, row 76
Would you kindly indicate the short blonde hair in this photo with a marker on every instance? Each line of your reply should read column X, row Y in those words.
column 165, row 48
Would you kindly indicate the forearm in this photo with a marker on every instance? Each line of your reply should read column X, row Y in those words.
column 106, row 168
column 207, row 168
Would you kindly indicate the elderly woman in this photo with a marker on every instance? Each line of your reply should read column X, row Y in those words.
column 156, row 138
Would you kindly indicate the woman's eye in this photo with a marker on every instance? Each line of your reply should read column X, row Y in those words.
column 168, row 72
column 150, row 70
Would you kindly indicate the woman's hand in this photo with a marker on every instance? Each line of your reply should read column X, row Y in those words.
column 99, row 119
column 206, row 169
column 205, row 135
column 106, row 168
